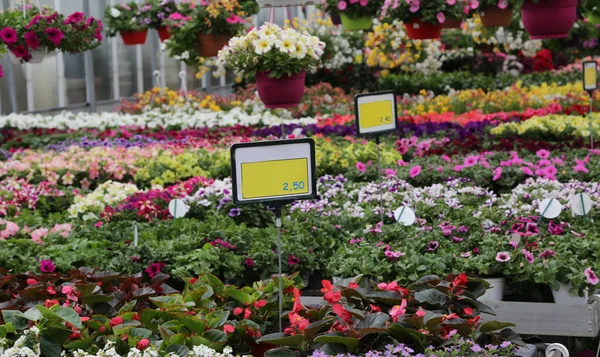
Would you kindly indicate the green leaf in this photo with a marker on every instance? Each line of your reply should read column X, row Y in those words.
column 49, row 347
column 338, row 337
column 193, row 323
column 317, row 326
column 69, row 315
column 178, row 350
column 239, row 295
column 281, row 352
column 80, row 344
column 217, row 318
column 377, row 319
column 128, row 307
column 124, row 328
column 16, row 318
column 33, row 314
column 92, row 300
column 494, row 326
column 406, row 335
column 140, row 332
column 431, row 296
column 281, row 339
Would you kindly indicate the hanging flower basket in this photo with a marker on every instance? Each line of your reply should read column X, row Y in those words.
column 284, row 92
column 132, row 38
column 593, row 18
column 163, row 33
column 417, row 30
column 493, row 16
column 283, row 3
column 549, row 19
column 355, row 24
column 452, row 23
column 210, row 45
column 335, row 19
column 36, row 57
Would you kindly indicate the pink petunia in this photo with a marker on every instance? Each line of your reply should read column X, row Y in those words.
column 8, row 35
column 503, row 4
column 414, row 171
column 497, row 174
column 591, row 276
column 361, row 167
column 502, row 257
column 441, row 17
column 543, row 154
column 55, row 35
column 527, row 171
column 32, row 40
column 363, row 3
column 342, row 5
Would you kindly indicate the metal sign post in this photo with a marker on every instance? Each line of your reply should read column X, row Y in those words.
column 590, row 84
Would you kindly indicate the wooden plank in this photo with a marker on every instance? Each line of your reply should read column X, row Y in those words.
column 536, row 318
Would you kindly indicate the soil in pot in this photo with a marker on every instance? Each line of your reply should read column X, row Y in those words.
column 494, row 16
column 210, row 45
column 132, row 38
column 417, row 30
column 549, row 19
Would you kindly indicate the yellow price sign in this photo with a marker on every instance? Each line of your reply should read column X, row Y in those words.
column 376, row 113
column 273, row 171
column 274, row 178
column 590, row 76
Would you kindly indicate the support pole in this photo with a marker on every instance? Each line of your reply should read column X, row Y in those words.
column 29, row 87
column 114, row 51
column 60, row 69
column 278, row 225
column 377, row 142
column 88, row 61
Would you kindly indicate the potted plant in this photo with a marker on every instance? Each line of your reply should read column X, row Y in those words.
column 422, row 20
column 202, row 30
column 130, row 20
column 545, row 19
column 354, row 14
column 278, row 59
column 160, row 10
column 591, row 10
column 496, row 13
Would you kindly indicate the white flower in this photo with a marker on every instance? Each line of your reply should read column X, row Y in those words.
column 298, row 51
column 262, row 45
column 285, row 45
column 114, row 12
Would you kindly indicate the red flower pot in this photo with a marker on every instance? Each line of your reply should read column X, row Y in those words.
column 131, row 38
column 452, row 23
column 163, row 33
column 549, row 19
column 284, row 92
column 494, row 16
column 417, row 30
column 210, row 45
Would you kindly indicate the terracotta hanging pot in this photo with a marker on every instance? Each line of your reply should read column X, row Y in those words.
column 493, row 16
column 163, row 33
column 210, row 45
column 452, row 23
column 356, row 23
column 284, row 92
column 549, row 18
column 417, row 30
column 132, row 38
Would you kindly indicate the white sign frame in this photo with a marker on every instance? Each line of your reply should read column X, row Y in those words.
column 594, row 65
column 376, row 97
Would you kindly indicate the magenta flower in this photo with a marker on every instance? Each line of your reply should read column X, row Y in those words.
column 547, row 254
column 342, row 5
column 414, row 171
column 154, row 269
column 543, row 154
column 33, row 21
column 528, row 256
column 292, row 260
column 502, row 257
column 46, row 266
column 8, row 35
column 55, row 35
column 497, row 174
column 75, row 18
column 503, row 4
column 433, row 246
column 361, row 167
column 32, row 40
column 591, row 276
column 441, row 17
column 249, row 262
column 470, row 161
column 364, row 3
column 527, row 171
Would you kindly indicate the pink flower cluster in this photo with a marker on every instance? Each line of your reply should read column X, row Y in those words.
column 19, row 193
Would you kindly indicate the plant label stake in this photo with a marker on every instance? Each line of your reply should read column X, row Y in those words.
column 178, row 208
column 274, row 173
column 581, row 205
column 405, row 216
column 590, row 84
column 135, row 234
column 549, row 208
column 376, row 115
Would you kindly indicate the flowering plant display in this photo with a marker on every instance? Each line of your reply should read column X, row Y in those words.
column 502, row 4
column 432, row 11
column 354, row 8
column 127, row 17
column 46, row 30
column 160, row 11
column 214, row 17
column 273, row 50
